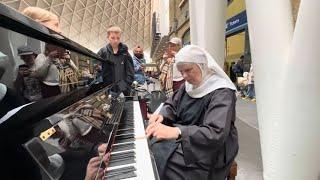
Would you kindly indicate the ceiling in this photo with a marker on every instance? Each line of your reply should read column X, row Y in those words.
column 86, row 21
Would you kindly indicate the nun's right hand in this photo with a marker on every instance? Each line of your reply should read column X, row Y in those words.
column 155, row 118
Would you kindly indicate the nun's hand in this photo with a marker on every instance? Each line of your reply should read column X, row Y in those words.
column 162, row 132
column 155, row 118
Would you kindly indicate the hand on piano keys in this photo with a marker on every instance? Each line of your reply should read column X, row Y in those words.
column 155, row 118
column 161, row 131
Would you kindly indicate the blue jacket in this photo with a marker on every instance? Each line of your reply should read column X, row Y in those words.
column 139, row 75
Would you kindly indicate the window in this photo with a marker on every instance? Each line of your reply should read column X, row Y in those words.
column 186, row 38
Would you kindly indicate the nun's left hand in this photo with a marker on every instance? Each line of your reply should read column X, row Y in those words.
column 162, row 132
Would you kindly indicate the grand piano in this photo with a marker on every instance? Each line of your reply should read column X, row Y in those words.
column 55, row 137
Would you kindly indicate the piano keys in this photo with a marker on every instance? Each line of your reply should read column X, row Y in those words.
column 130, row 155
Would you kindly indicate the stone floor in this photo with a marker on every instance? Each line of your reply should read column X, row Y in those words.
column 249, row 156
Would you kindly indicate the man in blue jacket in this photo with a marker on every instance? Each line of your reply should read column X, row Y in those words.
column 139, row 64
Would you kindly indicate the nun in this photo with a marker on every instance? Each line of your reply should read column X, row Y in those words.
column 194, row 135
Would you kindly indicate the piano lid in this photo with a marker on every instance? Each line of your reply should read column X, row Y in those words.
column 77, row 66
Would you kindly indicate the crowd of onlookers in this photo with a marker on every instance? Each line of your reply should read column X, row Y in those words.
column 243, row 79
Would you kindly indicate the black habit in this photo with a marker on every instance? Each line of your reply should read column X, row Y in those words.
column 209, row 138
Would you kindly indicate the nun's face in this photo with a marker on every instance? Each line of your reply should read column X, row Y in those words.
column 191, row 73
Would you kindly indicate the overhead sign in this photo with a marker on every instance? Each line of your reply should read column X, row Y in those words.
column 237, row 23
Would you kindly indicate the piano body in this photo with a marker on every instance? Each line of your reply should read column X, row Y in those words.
column 54, row 138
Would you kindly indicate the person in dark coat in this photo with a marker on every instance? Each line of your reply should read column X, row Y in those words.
column 194, row 136
column 238, row 67
column 233, row 76
column 118, row 67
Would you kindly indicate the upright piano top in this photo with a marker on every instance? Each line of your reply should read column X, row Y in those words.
column 17, row 30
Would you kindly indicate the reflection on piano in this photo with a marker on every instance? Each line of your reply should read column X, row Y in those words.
column 54, row 138
column 83, row 125
column 99, row 118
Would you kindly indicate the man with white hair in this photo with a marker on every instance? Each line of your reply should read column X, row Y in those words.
column 170, row 78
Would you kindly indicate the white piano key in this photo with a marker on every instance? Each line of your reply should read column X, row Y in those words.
column 119, row 152
column 143, row 159
column 121, row 166
column 138, row 120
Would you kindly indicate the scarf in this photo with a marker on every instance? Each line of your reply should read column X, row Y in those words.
column 166, row 78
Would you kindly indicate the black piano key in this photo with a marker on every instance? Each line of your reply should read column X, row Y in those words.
column 124, row 138
column 123, row 147
column 122, row 176
column 125, row 131
column 121, row 162
column 118, row 171
column 122, row 158
column 126, row 120
column 125, row 126
column 122, row 155
column 127, row 123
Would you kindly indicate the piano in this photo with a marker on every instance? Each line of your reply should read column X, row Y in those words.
column 54, row 138
column 123, row 130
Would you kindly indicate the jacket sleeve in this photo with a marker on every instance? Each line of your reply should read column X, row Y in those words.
column 100, row 53
column 169, row 109
column 136, row 66
column 43, row 70
column 106, row 67
column 211, row 135
column 129, row 69
column 19, row 84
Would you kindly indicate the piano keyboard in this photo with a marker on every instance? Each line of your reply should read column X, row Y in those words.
column 130, row 156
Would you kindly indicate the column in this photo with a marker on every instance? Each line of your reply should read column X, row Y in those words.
column 207, row 26
column 270, row 31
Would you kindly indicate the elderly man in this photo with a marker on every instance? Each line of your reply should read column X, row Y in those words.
column 170, row 78
column 27, row 85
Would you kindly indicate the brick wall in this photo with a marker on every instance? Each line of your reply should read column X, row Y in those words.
column 178, row 17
